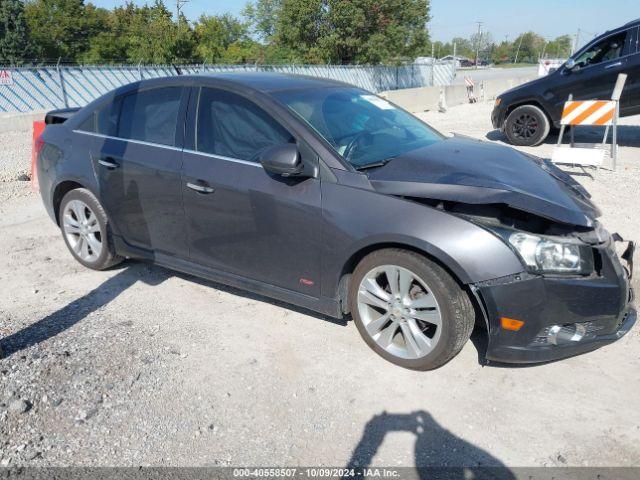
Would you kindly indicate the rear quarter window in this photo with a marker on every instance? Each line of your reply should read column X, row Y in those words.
column 103, row 120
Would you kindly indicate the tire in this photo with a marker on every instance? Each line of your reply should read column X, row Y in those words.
column 78, row 206
column 456, row 312
column 527, row 126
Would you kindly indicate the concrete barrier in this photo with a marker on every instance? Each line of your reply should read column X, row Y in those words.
column 420, row 99
column 19, row 122
column 427, row 98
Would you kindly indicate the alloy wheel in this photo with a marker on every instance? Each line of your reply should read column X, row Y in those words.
column 399, row 312
column 525, row 126
column 82, row 230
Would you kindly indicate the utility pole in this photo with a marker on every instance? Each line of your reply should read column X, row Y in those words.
column 479, row 41
column 575, row 43
column 179, row 5
column 518, row 51
column 544, row 50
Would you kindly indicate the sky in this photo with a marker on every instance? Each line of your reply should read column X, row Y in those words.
column 502, row 18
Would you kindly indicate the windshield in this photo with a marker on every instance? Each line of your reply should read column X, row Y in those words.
column 363, row 128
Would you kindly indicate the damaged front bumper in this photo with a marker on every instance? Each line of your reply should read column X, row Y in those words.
column 562, row 316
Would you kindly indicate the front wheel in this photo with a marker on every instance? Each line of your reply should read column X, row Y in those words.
column 409, row 310
column 527, row 126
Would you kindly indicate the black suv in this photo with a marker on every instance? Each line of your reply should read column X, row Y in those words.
column 527, row 113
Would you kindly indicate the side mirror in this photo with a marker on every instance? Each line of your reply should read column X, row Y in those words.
column 282, row 160
column 552, row 70
column 570, row 64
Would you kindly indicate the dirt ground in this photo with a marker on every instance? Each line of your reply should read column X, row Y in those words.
column 143, row 366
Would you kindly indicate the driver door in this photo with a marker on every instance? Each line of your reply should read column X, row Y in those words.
column 595, row 74
column 240, row 219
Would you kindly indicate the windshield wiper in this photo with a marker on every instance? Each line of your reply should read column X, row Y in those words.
column 367, row 166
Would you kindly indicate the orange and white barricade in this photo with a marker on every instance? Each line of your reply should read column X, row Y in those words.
column 471, row 89
column 595, row 113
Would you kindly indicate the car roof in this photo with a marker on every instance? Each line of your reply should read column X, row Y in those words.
column 269, row 82
column 632, row 22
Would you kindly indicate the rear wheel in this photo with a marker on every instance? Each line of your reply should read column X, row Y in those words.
column 86, row 231
column 409, row 310
column 527, row 126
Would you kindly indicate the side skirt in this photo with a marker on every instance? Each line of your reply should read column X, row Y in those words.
column 324, row 305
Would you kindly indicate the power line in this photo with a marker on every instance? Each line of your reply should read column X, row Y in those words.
column 179, row 5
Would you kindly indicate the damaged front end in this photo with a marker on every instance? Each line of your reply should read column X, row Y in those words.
column 573, row 296
column 573, row 293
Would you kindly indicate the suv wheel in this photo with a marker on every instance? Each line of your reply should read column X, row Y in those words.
column 86, row 231
column 409, row 310
column 527, row 126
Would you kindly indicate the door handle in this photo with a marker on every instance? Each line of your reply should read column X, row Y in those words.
column 200, row 188
column 613, row 65
column 108, row 162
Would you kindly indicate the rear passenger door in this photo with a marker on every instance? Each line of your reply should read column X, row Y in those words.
column 138, row 167
column 240, row 219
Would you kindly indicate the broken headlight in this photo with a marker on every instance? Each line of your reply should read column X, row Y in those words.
column 551, row 254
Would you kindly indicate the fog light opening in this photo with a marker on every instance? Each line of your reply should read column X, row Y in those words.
column 563, row 334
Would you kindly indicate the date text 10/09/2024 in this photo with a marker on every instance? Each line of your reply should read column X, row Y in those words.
column 312, row 472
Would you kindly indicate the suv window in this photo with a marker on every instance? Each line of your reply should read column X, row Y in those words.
column 605, row 50
column 633, row 40
column 150, row 115
column 232, row 126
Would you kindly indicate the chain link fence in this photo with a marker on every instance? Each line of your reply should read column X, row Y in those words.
column 27, row 89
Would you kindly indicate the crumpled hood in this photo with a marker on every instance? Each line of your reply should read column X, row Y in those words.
column 475, row 172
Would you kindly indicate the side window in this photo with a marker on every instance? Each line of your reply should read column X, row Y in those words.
column 605, row 50
column 633, row 40
column 89, row 124
column 232, row 126
column 106, row 118
column 150, row 115
column 103, row 120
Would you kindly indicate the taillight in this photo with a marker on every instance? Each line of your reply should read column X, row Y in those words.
column 38, row 143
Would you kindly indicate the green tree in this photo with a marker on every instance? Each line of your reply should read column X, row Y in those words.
column 503, row 52
column 359, row 31
column 528, row 47
column 464, row 48
column 215, row 34
column 183, row 49
column 14, row 43
column 59, row 28
column 150, row 35
column 300, row 26
column 559, row 47
column 263, row 16
column 376, row 31
column 482, row 44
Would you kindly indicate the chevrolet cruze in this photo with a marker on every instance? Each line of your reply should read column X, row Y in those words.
column 328, row 197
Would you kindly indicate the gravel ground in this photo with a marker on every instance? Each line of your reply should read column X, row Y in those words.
column 142, row 366
column 15, row 157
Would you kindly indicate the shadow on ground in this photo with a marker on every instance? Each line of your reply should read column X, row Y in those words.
column 438, row 453
column 130, row 273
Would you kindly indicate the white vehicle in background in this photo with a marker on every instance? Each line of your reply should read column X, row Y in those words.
column 549, row 65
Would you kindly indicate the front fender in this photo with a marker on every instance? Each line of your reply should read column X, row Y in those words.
column 357, row 219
